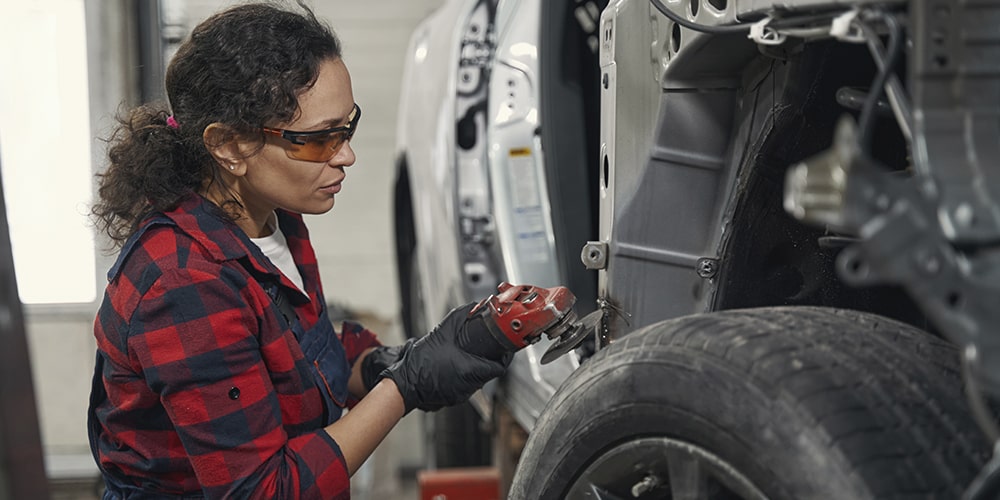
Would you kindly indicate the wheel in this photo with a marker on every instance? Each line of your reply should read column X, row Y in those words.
column 776, row 403
column 407, row 273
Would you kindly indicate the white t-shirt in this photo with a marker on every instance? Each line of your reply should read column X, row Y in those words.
column 275, row 247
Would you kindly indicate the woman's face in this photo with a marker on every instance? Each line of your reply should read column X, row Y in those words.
column 271, row 179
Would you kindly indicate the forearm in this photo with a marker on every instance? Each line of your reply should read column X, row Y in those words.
column 366, row 425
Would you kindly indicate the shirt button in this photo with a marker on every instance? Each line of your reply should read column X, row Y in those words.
column 234, row 393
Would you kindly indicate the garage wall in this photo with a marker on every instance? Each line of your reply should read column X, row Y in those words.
column 355, row 240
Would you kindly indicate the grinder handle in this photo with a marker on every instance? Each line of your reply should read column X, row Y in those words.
column 482, row 338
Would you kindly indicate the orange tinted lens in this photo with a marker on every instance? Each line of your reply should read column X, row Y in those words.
column 317, row 148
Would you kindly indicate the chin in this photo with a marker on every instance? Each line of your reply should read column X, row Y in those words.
column 321, row 208
column 318, row 208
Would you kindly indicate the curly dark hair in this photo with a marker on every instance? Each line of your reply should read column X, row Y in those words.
column 243, row 67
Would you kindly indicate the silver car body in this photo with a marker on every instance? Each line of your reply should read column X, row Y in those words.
column 678, row 112
column 481, row 212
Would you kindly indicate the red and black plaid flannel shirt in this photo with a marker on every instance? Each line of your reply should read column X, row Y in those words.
column 207, row 391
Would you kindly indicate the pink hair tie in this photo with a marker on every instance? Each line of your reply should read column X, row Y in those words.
column 172, row 122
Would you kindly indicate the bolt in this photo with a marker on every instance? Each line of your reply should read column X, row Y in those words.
column 707, row 268
column 515, row 324
column 594, row 255
column 647, row 484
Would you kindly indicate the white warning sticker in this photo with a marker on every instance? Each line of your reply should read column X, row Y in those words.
column 525, row 188
column 529, row 218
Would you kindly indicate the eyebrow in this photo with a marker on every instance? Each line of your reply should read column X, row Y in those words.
column 330, row 123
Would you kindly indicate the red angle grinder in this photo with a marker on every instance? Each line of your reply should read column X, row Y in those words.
column 518, row 315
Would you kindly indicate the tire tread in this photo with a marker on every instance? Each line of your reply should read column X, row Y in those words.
column 886, row 395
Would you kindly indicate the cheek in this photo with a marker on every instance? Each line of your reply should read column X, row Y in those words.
column 282, row 177
column 304, row 176
column 296, row 184
column 278, row 171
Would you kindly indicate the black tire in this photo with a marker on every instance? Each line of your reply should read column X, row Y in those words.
column 407, row 275
column 778, row 403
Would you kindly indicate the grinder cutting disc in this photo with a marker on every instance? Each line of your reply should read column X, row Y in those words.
column 572, row 335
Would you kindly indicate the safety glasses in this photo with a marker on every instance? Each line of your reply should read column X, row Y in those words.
column 319, row 145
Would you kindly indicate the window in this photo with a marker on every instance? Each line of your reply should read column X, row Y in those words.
column 45, row 150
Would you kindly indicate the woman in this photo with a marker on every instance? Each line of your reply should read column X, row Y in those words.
column 219, row 374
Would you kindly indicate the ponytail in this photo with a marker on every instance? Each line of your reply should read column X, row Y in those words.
column 152, row 165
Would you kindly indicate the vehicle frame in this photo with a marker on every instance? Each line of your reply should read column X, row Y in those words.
column 735, row 174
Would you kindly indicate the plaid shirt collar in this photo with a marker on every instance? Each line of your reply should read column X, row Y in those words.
column 222, row 239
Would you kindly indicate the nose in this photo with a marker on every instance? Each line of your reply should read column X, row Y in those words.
column 344, row 157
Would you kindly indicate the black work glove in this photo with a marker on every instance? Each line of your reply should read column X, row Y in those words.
column 379, row 359
column 439, row 370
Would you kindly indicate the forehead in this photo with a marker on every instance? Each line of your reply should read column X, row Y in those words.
column 329, row 101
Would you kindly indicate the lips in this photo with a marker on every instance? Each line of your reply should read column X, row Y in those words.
column 332, row 188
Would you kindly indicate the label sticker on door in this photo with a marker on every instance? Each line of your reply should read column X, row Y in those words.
column 529, row 219
column 524, row 192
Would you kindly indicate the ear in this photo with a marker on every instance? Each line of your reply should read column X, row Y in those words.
column 224, row 144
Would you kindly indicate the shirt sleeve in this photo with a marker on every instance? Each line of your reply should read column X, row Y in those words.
column 196, row 339
column 356, row 339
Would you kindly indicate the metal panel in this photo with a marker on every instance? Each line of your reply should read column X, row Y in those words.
column 151, row 58
column 22, row 470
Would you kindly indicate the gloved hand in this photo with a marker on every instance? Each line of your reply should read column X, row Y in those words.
column 439, row 370
column 379, row 359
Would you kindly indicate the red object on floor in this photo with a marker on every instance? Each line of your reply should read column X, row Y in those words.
column 463, row 483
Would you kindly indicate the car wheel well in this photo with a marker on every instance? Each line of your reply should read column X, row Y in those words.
column 406, row 243
column 769, row 258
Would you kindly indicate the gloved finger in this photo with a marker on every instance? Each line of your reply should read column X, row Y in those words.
column 482, row 370
column 476, row 338
column 464, row 309
column 378, row 360
column 453, row 321
column 404, row 348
